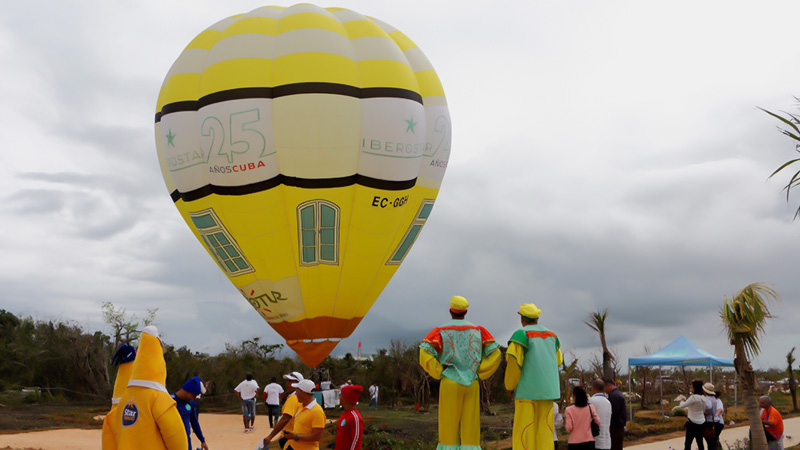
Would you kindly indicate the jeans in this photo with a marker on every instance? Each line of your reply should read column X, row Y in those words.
column 373, row 401
column 274, row 413
column 249, row 408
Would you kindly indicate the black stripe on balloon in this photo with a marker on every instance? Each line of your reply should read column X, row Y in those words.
column 287, row 90
column 305, row 183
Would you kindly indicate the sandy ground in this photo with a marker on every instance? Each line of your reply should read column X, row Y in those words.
column 222, row 432
column 225, row 432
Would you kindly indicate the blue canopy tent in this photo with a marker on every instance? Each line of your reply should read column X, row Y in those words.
column 680, row 352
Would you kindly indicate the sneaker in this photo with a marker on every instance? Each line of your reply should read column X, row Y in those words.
column 247, row 430
column 252, row 428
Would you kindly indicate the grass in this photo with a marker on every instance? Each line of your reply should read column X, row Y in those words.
column 43, row 416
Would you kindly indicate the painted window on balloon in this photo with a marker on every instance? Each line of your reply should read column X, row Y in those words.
column 220, row 243
column 410, row 237
column 318, row 223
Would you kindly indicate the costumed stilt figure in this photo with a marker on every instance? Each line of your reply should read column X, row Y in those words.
column 146, row 417
column 459, row 353
column 532, row 360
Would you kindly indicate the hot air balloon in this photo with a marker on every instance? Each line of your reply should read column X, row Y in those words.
column 305, row 148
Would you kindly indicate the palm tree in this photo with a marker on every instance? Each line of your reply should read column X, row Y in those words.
column 792, row 385
column 792, row 121
column 744, row 318
column 597, row 322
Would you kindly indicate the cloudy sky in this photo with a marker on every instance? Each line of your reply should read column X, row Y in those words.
column 605, row 155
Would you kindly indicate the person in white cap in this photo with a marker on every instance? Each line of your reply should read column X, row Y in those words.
column 309, row 421
column 290, row 408
column 709, row 431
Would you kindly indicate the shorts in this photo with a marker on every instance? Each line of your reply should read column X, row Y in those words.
column 249, row 407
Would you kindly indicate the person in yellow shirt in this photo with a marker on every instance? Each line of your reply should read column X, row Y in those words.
column 290, row 407
column 146, row 417
column 459, row 353
column 309, row 422
column 532, row 360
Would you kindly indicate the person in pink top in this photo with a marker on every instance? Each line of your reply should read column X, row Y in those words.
column 579, row 417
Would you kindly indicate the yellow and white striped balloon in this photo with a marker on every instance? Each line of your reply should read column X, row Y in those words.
column 305, row 148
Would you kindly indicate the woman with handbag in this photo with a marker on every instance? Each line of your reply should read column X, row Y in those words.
column 709, row 430
column 695, row 405
column 583, row 423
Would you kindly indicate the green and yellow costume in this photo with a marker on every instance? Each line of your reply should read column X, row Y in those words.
column 532, row 360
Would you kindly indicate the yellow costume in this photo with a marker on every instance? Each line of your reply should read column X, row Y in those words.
column 145, row 417
column 459, row 353
column 532, row 360
column 124, row 359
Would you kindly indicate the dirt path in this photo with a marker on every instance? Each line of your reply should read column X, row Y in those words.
column 225, row 432
column 222, row 432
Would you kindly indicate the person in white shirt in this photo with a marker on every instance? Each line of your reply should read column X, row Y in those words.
column 719, row 415
column 247, row 391
column 373, row 395
column 603, row 407
column 272, row 398
column 710, row 414
column 695, row 405
column 558, row 422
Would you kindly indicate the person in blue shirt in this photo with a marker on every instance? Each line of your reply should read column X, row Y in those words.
column 184, row 400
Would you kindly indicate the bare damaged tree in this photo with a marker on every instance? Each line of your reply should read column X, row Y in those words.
column 597, row 322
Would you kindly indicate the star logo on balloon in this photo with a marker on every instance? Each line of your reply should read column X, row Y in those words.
column 170, row 138
column 411, row 125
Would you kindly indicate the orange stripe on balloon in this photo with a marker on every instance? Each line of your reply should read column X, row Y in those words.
column 317, row 328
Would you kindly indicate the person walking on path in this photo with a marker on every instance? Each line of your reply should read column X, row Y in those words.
column 603, row 407
column 290, row 408
column 772, row 421
column 373, row 395
column 532, row 360
column 619, row 415
column 719, row 416
column 272, row 398
column 309, row 421
column 579, row 417
column 185, row 402
column 350, row 426
column 709, row 430
column 695, row 414
column 203, row 390
column 459, row 353
column 246, row 392
column 558, row 422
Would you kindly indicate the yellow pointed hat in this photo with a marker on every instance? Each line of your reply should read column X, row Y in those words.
column 124, row 359
column 149, row 369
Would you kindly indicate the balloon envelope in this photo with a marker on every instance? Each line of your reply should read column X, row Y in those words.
column 305, row 148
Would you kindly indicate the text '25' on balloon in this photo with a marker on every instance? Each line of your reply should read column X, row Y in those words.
column 305, row 148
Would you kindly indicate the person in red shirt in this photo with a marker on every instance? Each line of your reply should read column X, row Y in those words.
column 773, row 423
column 350, row 426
